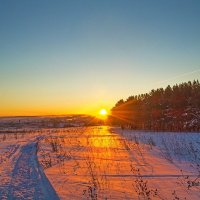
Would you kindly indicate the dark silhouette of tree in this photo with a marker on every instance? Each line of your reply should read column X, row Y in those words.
column 174, row 108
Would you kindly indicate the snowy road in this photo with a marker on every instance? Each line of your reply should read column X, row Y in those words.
column 26, row 179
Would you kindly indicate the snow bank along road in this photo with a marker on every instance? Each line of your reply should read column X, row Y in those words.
column 109, row 163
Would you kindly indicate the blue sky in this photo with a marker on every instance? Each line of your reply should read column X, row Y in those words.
column 60, row 57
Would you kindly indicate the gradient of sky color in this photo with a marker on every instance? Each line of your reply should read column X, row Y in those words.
column 77, row 56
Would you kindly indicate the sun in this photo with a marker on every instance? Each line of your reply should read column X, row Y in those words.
column 103, row 112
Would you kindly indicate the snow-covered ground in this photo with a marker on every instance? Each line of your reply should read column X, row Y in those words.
column 99, row 163
column 21, row 176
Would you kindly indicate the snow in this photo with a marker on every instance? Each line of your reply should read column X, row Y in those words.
column 98, row 162
column 21, row 175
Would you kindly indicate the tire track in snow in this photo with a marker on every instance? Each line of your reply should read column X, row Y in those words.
column 28, row 179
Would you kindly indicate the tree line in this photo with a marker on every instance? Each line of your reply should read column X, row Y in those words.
column 175, row 108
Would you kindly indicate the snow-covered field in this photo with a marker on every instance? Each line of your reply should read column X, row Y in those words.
column 99, row 163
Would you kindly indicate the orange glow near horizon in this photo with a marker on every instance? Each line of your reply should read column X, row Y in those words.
column 52, row 109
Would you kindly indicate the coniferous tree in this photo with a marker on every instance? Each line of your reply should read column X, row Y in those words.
column 174, row 108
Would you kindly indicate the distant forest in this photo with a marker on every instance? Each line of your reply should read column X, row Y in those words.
column 174, row 108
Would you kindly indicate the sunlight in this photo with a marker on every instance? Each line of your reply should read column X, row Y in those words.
column 103, row 112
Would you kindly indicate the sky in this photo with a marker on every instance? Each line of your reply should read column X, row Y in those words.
column 63, row 57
